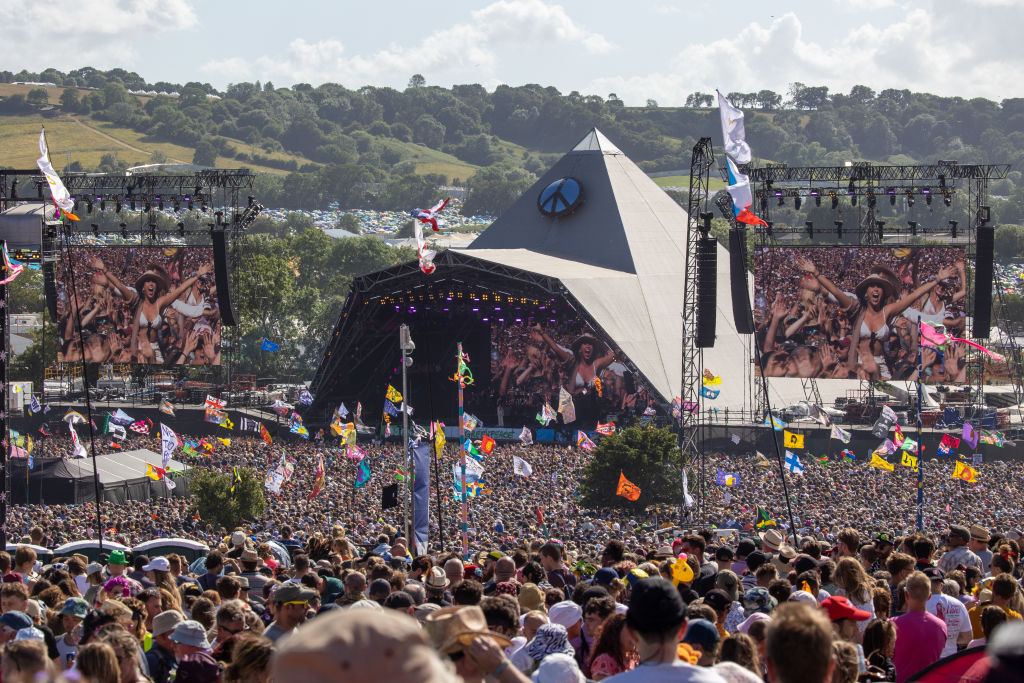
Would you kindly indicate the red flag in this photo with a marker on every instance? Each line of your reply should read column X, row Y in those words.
column 318, row 483
column 950, row 441
column 487, row 444
column 265, row 434
column 605, row 428
column 540, row 515
column 745, row 216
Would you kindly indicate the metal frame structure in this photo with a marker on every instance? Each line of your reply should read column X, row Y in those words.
column 693, row 358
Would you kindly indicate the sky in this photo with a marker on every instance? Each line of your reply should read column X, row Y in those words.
column 640, row 50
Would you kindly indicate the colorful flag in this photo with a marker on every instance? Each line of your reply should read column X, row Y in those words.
column 265, row 434
column 355, row 452
column 393, row 395
column 964, row 471
column 526, row 436
column 320, row 480
column 226, row 442
column 605, row 428
column 471, row 449
column 774, row 422
column 885, row 449
column 236, row 480
column 437, row 431
column 74, row 417
column 970, row 435
column 908, row 460
column 897, row 436
column 34, row 406
column 341, row 411
column 763, row 518
column 167, row 409
column 168, row 442
column 215, row 403
column 711, row 394
column 840, row 434
column 469, row 422
column 565, row 406
column 521, row 467
column 305, row 398
column 742, row 197
column 626, row 488
column 61, row 198
column 268, row 345
column 943, row 449
column 226, row 423
column 297, row 428
column 726, row 478
column 584, row 442
column 155, row 473
column 848, row 454
column 762, row 461
column 793, row 463
column 792, row 439
column 429, row 216
column 819, row 416
column 214, row 416
column 140, row 427
column 880, row 462
column 547, row 415
column 951, row 442
column 363, row 473
column 823, row 460
column 487, row 444
column 390, row 409
column 110, row 427
column 909, row 445
column 735, row 438
column 709, row 379
column 733, row 132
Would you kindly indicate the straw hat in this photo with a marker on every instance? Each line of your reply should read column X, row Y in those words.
column 453, row 628
column 157, row 275
column 880, row 276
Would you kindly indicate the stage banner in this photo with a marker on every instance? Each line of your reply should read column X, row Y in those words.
column 852, row 312
column 421, row 497
column 496, row 433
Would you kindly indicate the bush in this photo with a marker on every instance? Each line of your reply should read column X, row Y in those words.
column 648, row 457
column 216, row 503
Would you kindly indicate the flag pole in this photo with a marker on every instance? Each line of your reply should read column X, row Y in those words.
column 465, row 499
column 775, row 442
column 920, row 460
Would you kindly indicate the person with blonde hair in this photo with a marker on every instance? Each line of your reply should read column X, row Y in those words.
column 97, row 663
column 250, row 660
column 24, row 660
column 853, row 583
column 126, row 649
column 920, row 635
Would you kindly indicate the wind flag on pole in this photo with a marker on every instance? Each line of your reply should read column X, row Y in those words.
column 950, row 441
column 155, row 473
column 268, row 345
column 774, row 422
column 236, row 480
column 909, row 461
column 74, row 417
column 60, row 194
column 265, row 434
column 711, row 394
column 742, row 197
column 709, row 379
column 469, row 422
column 393, row 395
column 318, row 482
column 840, row 434
column 111, row 427
column 306, row 398
column 879, row 462
column 526, row 436
column 547, row 415
column 168, row 442
column 363, row 474
column 12, row 269
column 487, row 444
column 79, row 449
column 605, row 428
column 793, row 463
column 33, row 405
column 626, row 488
column 167, row 409
column 763, row 518
column 726, row 478
column 471, row 449
column 734, row 134
column 213, row 402
column 970, row 435
column 792, row 439
column 429, row 216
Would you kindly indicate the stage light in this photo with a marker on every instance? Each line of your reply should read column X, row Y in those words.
column 853, row 200
column 782, row 200
column 881, row 229
column 952, row 228
column 810, row 228
column 797, row 201
column 913, row 227
column 892, row 196
column 177, row 204
column 117, row 205
column 946, row 199
column 769, row 228
column 872, row 199
column 839, row 228
column 88, row 205
column 77, row 204
column 851, row 188
column 910, row 198
column 835, row 200
column 103, row 204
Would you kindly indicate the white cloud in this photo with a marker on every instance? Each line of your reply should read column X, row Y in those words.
column 668, row 9
column 460, row 49
column 940, row 50
column 74, row 33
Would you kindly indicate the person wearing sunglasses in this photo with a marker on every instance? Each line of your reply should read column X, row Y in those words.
column 291, row 601
column 230, row 622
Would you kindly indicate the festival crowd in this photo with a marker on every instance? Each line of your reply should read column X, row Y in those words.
column 551, row 591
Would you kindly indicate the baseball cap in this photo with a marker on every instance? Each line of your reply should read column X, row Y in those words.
column 605, row 576
column 701, row 632
column 717, row 599
column 293, row 592
column 934, row 573
column 960, row 532
column 729, row 582
column 755, row 560
column 15, row 620
column 804, row 563
column 839, row 607
column 634, row 576
column 157, row 564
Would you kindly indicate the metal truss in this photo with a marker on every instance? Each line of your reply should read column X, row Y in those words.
column 949, row 170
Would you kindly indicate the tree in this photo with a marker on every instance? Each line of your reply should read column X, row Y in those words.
column 158, row 157
column 1007, row 242
column 648, row 457
column 493, row 189
column 28, row 365
column 37, row 97
column 350, row 223
column 69, row 99
column 206, row 154
column 417, row 81
column 652, row 104
column 216, row 503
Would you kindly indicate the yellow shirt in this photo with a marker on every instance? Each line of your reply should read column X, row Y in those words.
column 975, row 614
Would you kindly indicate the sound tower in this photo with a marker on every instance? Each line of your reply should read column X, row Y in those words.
column 983, row 281
column 707, row 291
column 738, row 279
column 222, row 269
column 46, row 260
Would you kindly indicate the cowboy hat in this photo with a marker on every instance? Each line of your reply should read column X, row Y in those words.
column 453, row 628
column 157, row 275
column 771, row 540
column 880, row 276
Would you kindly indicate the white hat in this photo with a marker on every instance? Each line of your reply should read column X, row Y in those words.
column 30, row 633
column 157, row 564
column 566, row 613
column 803, row 596
column 558, row 668
column 238, row 538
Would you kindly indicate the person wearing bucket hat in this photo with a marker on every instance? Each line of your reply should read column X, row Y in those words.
column 558, row 668
column 116, row 563
column 160, row 656
column 189, row 636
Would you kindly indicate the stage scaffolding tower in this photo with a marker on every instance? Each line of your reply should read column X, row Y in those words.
column 693, row 360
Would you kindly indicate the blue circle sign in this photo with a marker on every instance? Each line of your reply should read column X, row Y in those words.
column 560, row 197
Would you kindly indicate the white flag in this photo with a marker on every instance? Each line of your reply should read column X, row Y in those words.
column 733, row 133
column 79, row 449
column 521, row 467
column 739, row 187
column 526, row 436
column 687, row 498
column 60, row 194
column 168, row 442
column 170, row 484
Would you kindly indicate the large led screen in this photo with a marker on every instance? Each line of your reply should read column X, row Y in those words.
column 531, row 360
column 151, row 305
column 852, row 312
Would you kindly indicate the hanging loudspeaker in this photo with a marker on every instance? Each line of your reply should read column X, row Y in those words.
column 707, row 291
column 738, row 278
column 983, row 281
column 50, row 289
column 222, row 269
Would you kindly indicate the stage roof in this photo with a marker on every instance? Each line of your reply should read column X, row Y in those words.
column 114, row 468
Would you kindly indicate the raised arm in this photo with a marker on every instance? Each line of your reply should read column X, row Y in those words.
column 128, row 293
column 779, row 310
column 901, row 305
column 167, row 298
column 540, row 335
column 807, row 266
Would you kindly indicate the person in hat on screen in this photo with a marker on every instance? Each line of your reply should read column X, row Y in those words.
column 292, row 603
column 978, row 544
column 461, row 633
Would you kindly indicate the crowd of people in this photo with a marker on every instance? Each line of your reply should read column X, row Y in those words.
column 551, row 590
column 139, row 305
column 853, row 313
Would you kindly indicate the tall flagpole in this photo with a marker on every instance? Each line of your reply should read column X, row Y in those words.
column 920, row 460
column 465, row 499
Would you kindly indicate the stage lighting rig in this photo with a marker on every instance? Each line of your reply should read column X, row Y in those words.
column 817, row 197
column 910, row 198
column 913, row 227
column 124, row 231
column 839, row 228
column 927, row 192
column 952, row 228
column 946, row 198
column 810, row 228
column 892, row 196
column 797, row 201
column 984, row 215
column 881, row 229
column 835, row 200
column 88, row 205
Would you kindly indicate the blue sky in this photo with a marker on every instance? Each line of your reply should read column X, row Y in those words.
column 641, row 49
